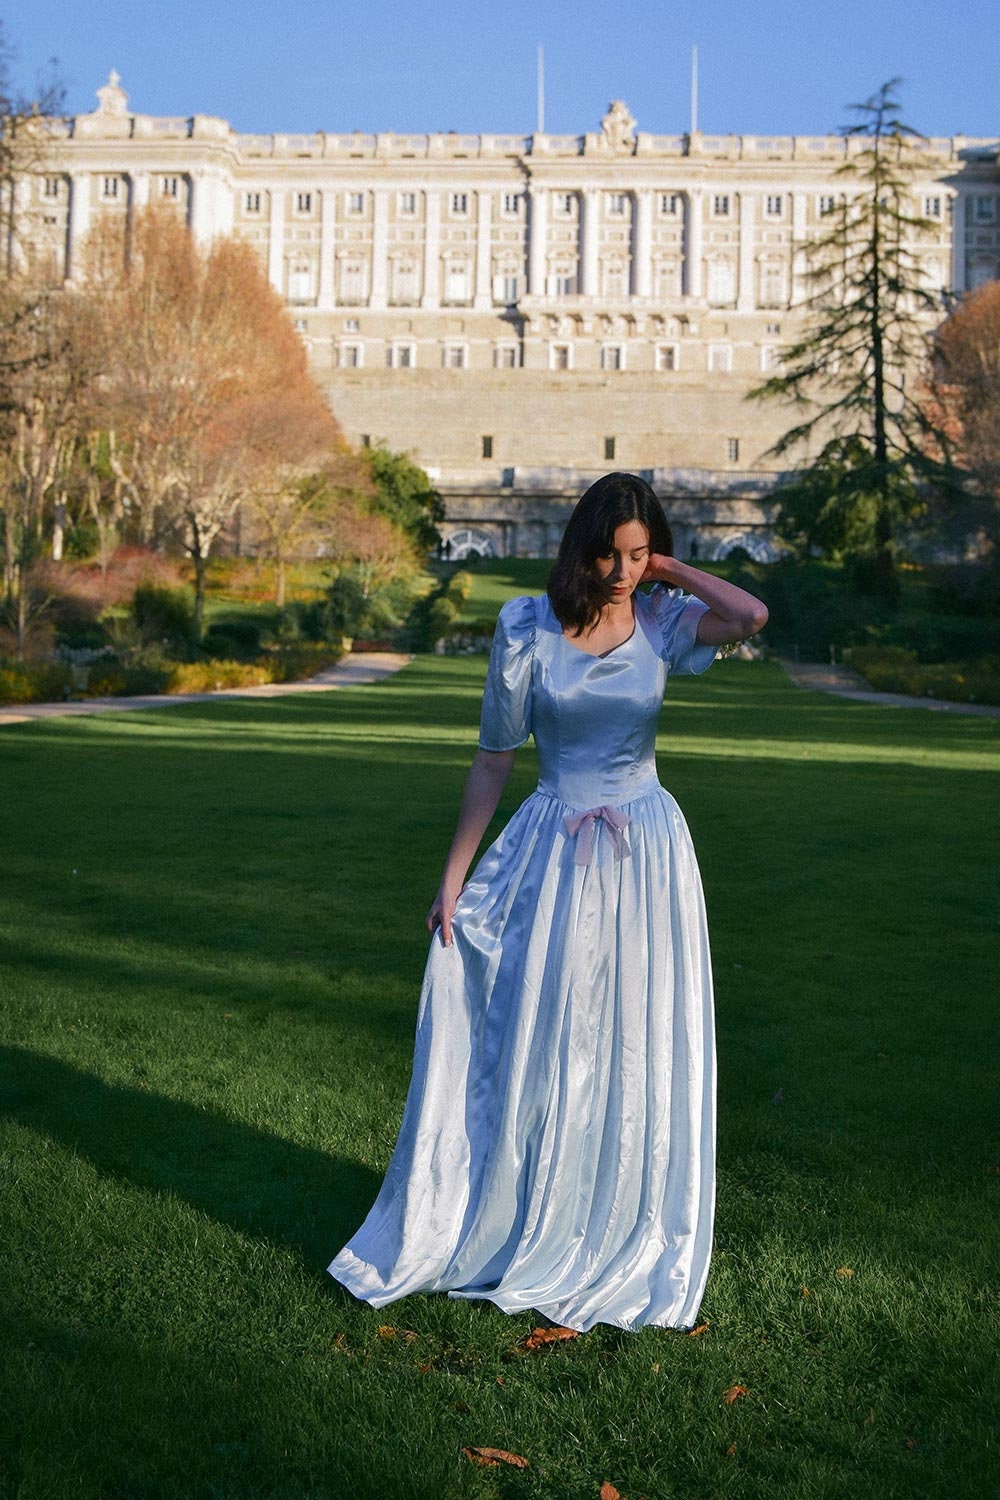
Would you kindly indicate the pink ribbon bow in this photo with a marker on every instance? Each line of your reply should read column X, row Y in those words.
column 583, row 824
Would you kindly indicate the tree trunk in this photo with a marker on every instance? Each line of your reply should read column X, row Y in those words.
column 279, row 582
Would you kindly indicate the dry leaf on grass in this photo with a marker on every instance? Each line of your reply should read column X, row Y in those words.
column 734, row 1393
column 387, row 1332
column 694, row 1332
column 608, row 1491
column 539, row 1338
column 844, row 1271
column 731, row 1451
column 491, row 1458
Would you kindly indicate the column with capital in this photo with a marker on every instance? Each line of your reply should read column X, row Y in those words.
column 139, row 190
column 693, row 243
column 589, row 241
column 959, row 270
column 800, row 260
column 484, row 218
column 327, row 289
column 432, row 251
column 276, row 241
column 537, row 229
column 642, row 243
column 79, row 219
column 378, row 301
column 746, row 299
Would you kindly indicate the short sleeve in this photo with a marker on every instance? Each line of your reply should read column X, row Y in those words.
column 506, row 715
column 678, row 615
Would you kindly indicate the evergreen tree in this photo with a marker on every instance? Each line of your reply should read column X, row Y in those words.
column 865, row 336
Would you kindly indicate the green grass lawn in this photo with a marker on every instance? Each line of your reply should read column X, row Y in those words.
column 212, row 924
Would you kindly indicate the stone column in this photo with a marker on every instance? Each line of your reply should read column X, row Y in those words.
column 484, row 289
column 537, row 222
column 746, row 299
column 589, row 238
column 432, row 251
column 276, row 241
column 79, row 219
column 379, row 298
column 693, row 243
column 642, row 244
column 959, row 269
column 200, row 208
column 327, row 261
column 139, row 190
column 800, row 261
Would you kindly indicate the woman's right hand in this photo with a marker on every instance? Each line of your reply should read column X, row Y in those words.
column 442, row 911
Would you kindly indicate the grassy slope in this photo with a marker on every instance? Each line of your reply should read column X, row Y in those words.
column 213, row 945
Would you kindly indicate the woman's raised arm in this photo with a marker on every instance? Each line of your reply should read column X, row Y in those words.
column 733, row 614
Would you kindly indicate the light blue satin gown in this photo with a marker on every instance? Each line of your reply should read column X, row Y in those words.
column 557, row 1149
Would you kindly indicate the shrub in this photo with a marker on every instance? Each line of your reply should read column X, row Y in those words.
column 163, row 615
column 209, row 676
column 233, row 640
column 895, row 669
column 35, row 682
column 459, row 588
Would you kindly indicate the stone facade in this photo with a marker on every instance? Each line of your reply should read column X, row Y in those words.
column 501, row 305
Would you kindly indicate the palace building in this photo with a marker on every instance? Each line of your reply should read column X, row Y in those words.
column 521, row 313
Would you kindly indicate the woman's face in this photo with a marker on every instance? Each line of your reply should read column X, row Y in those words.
column 625, row 564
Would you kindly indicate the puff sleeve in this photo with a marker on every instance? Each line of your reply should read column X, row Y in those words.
column 677, row 615
column 506, row 714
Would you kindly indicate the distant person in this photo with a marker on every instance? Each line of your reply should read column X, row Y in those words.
column 557, row 1150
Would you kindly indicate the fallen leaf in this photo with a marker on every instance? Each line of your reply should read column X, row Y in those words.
column 731, row 1451
column 911, row 1443
column 387, row 1332
column 702, row 1328
column 538, row 1338
column 499, row 1380
column 734, row 1393
column 844, row 1271
column 460, row 1406
column 994, row 1170
column 608, row 1491
column 806, row 1292
column 491, row 1458
column 656, row 1369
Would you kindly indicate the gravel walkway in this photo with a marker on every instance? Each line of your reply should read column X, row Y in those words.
column 353, row 671
column 842, row 682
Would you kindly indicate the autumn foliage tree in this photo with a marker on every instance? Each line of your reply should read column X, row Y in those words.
column 205, row 383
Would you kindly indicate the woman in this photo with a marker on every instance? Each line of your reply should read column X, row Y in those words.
column 557, row 1146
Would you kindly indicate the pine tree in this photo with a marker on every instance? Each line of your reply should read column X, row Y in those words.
column 865, row 337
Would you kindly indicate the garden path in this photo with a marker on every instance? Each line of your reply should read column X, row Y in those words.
column 819, row 677
column 358, row 668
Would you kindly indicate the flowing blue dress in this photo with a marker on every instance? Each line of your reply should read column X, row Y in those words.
column 557, row 1149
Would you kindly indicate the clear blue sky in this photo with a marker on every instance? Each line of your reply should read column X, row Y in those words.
column 781, row 67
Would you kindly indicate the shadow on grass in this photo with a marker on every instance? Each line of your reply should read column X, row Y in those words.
column 242, row 1177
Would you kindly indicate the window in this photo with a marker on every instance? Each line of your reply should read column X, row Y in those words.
column 670, row 204
column 721, row 282
column 617, row 204
column 455, row 357
column 352, row 281
column 720, row 205
column 666, row 279
column 774, row 205
column 733, row 450
column 505, row 357
column 609, row 448
column 562, row 204
column 773, row 288
column 932, row 207
column 351, row 325
column 300, row 325
column 400, row 356
column 405, row 283
column 825, row 204
column 560, row 357
column 772, row 327
column 251, row 203
column 303, row 203
column 487, row 445
column 509, row 287
column 170, row 187
column 512, row 204
column 770, row 358
column 50, row 187
column 612, row 357
column 615, row 279
column 562, row 282
column 457, row 281
column 110, row 187
column 355, row 203
column 351, row 356
column 459, row 204
column 985, row 209
column 666, row 356
column 407, row 204
column 366, row 440
column 720, row 358
column 301, row 281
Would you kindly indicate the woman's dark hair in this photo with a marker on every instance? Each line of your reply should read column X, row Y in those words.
column 576, row 592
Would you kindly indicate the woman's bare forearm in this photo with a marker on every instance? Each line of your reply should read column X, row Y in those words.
column 483, row 790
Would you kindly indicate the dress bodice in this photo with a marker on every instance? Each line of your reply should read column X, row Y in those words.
column 594, row 718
